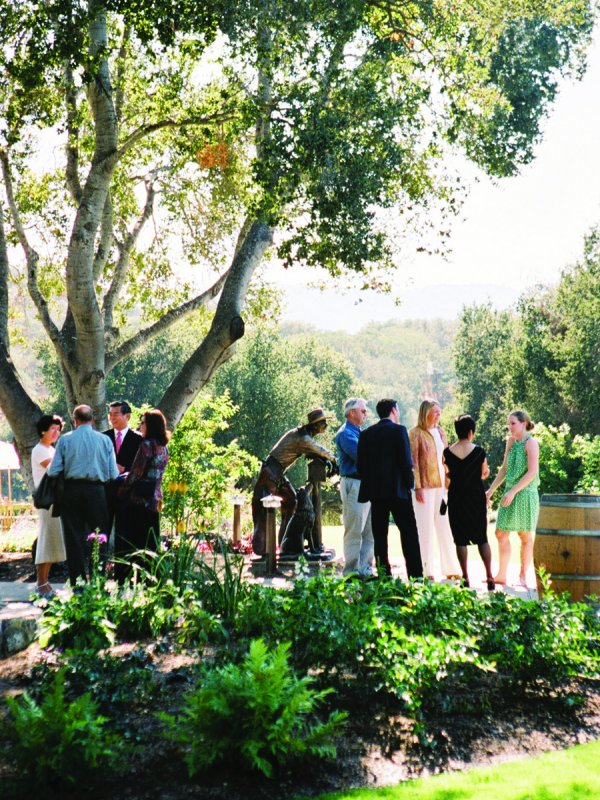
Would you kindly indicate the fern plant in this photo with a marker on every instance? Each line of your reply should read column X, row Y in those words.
column 57, row 743
column 257, row 711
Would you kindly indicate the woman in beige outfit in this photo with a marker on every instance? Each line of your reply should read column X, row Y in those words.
column 427, row 443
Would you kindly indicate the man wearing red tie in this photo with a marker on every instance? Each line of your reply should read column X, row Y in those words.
column 126, row 443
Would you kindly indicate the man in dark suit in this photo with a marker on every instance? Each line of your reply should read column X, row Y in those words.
column 386, row 473
column 126, row 443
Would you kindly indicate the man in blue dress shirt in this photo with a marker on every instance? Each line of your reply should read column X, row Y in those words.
column 358, row 536
column 86, row 459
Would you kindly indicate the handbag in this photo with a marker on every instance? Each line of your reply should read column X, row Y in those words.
column 44, row 493
column 143, row 488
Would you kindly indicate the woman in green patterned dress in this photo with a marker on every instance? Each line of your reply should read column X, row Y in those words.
column 520, row 504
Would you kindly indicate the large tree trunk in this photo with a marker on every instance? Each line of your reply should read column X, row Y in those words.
column 85, row 361
column 226, row 328
column 20, row 411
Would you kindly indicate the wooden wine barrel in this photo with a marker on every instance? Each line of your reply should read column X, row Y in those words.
column 567, row 543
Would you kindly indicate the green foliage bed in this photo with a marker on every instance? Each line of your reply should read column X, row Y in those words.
column 282, row 668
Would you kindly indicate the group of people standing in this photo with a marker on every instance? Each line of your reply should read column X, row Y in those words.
column 113, row 478
column 432, row 491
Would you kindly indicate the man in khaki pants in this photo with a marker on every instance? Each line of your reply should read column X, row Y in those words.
column 358, row 536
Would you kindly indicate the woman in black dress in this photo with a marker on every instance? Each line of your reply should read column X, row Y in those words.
column 141, row 491
column 466, row 466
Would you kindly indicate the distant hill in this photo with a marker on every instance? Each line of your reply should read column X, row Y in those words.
column 403, row 359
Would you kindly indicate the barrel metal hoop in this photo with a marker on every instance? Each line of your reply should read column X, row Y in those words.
column 562, row 532
column 570, row 501
column 573, row 576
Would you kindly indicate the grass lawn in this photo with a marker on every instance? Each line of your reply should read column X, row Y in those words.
column 571, row 774
column 333, row 536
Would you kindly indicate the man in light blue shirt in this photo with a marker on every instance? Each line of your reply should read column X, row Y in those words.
column 86, row 459
column 358, row 535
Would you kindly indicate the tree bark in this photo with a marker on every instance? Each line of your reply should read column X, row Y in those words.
column 20, row 411
column 217, row 346
column 3, row 283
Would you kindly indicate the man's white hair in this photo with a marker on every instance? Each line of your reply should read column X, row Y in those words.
column 352, row 403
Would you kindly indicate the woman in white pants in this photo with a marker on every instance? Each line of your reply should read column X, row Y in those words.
column 427, row 443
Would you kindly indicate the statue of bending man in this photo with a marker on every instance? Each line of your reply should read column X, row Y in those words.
column 271, row 479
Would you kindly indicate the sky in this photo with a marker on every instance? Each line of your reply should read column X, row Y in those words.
column 510, row 235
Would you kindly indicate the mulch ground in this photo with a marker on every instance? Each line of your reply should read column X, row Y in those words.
column 20, row 567
column 377, row 747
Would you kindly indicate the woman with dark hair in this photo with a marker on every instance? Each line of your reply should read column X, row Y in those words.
column 520, row 504
column 466, row 467
column 142, row 491
column 50, row 547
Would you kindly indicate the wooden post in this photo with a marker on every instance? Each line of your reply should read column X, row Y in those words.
column 271, row 502
column 238, row 502
column 316, row 475
column 237, row 524
column 271, row 543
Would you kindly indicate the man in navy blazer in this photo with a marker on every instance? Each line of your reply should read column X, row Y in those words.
column 126, row 444
column 119, row 414
column 386, row 478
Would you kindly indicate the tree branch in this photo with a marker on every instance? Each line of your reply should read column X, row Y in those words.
column 227, row 325
column 72, row 168
column 120, row 74
column 31, row 256
column 147, row 130
column 106, row 238
column 125, row 249
column 164, row 323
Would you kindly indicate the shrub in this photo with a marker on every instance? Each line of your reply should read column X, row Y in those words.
column 115, row 682
column 59, row 744
column 82, row 622
column 200, row 473
column 404, row 639
column 258, row 712
column 408, row 639
column 552, row 639
column 560, row 461
column 589, row 452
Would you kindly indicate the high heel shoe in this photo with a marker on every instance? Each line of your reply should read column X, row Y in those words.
column 491, row 586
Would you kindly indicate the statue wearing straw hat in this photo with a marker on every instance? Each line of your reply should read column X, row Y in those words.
column 271, row 479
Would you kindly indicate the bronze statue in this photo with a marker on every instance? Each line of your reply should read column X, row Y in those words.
column 271, row 479
column 300, row 528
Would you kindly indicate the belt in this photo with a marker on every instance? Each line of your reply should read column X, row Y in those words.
column 355, row 476
column 91, row 481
